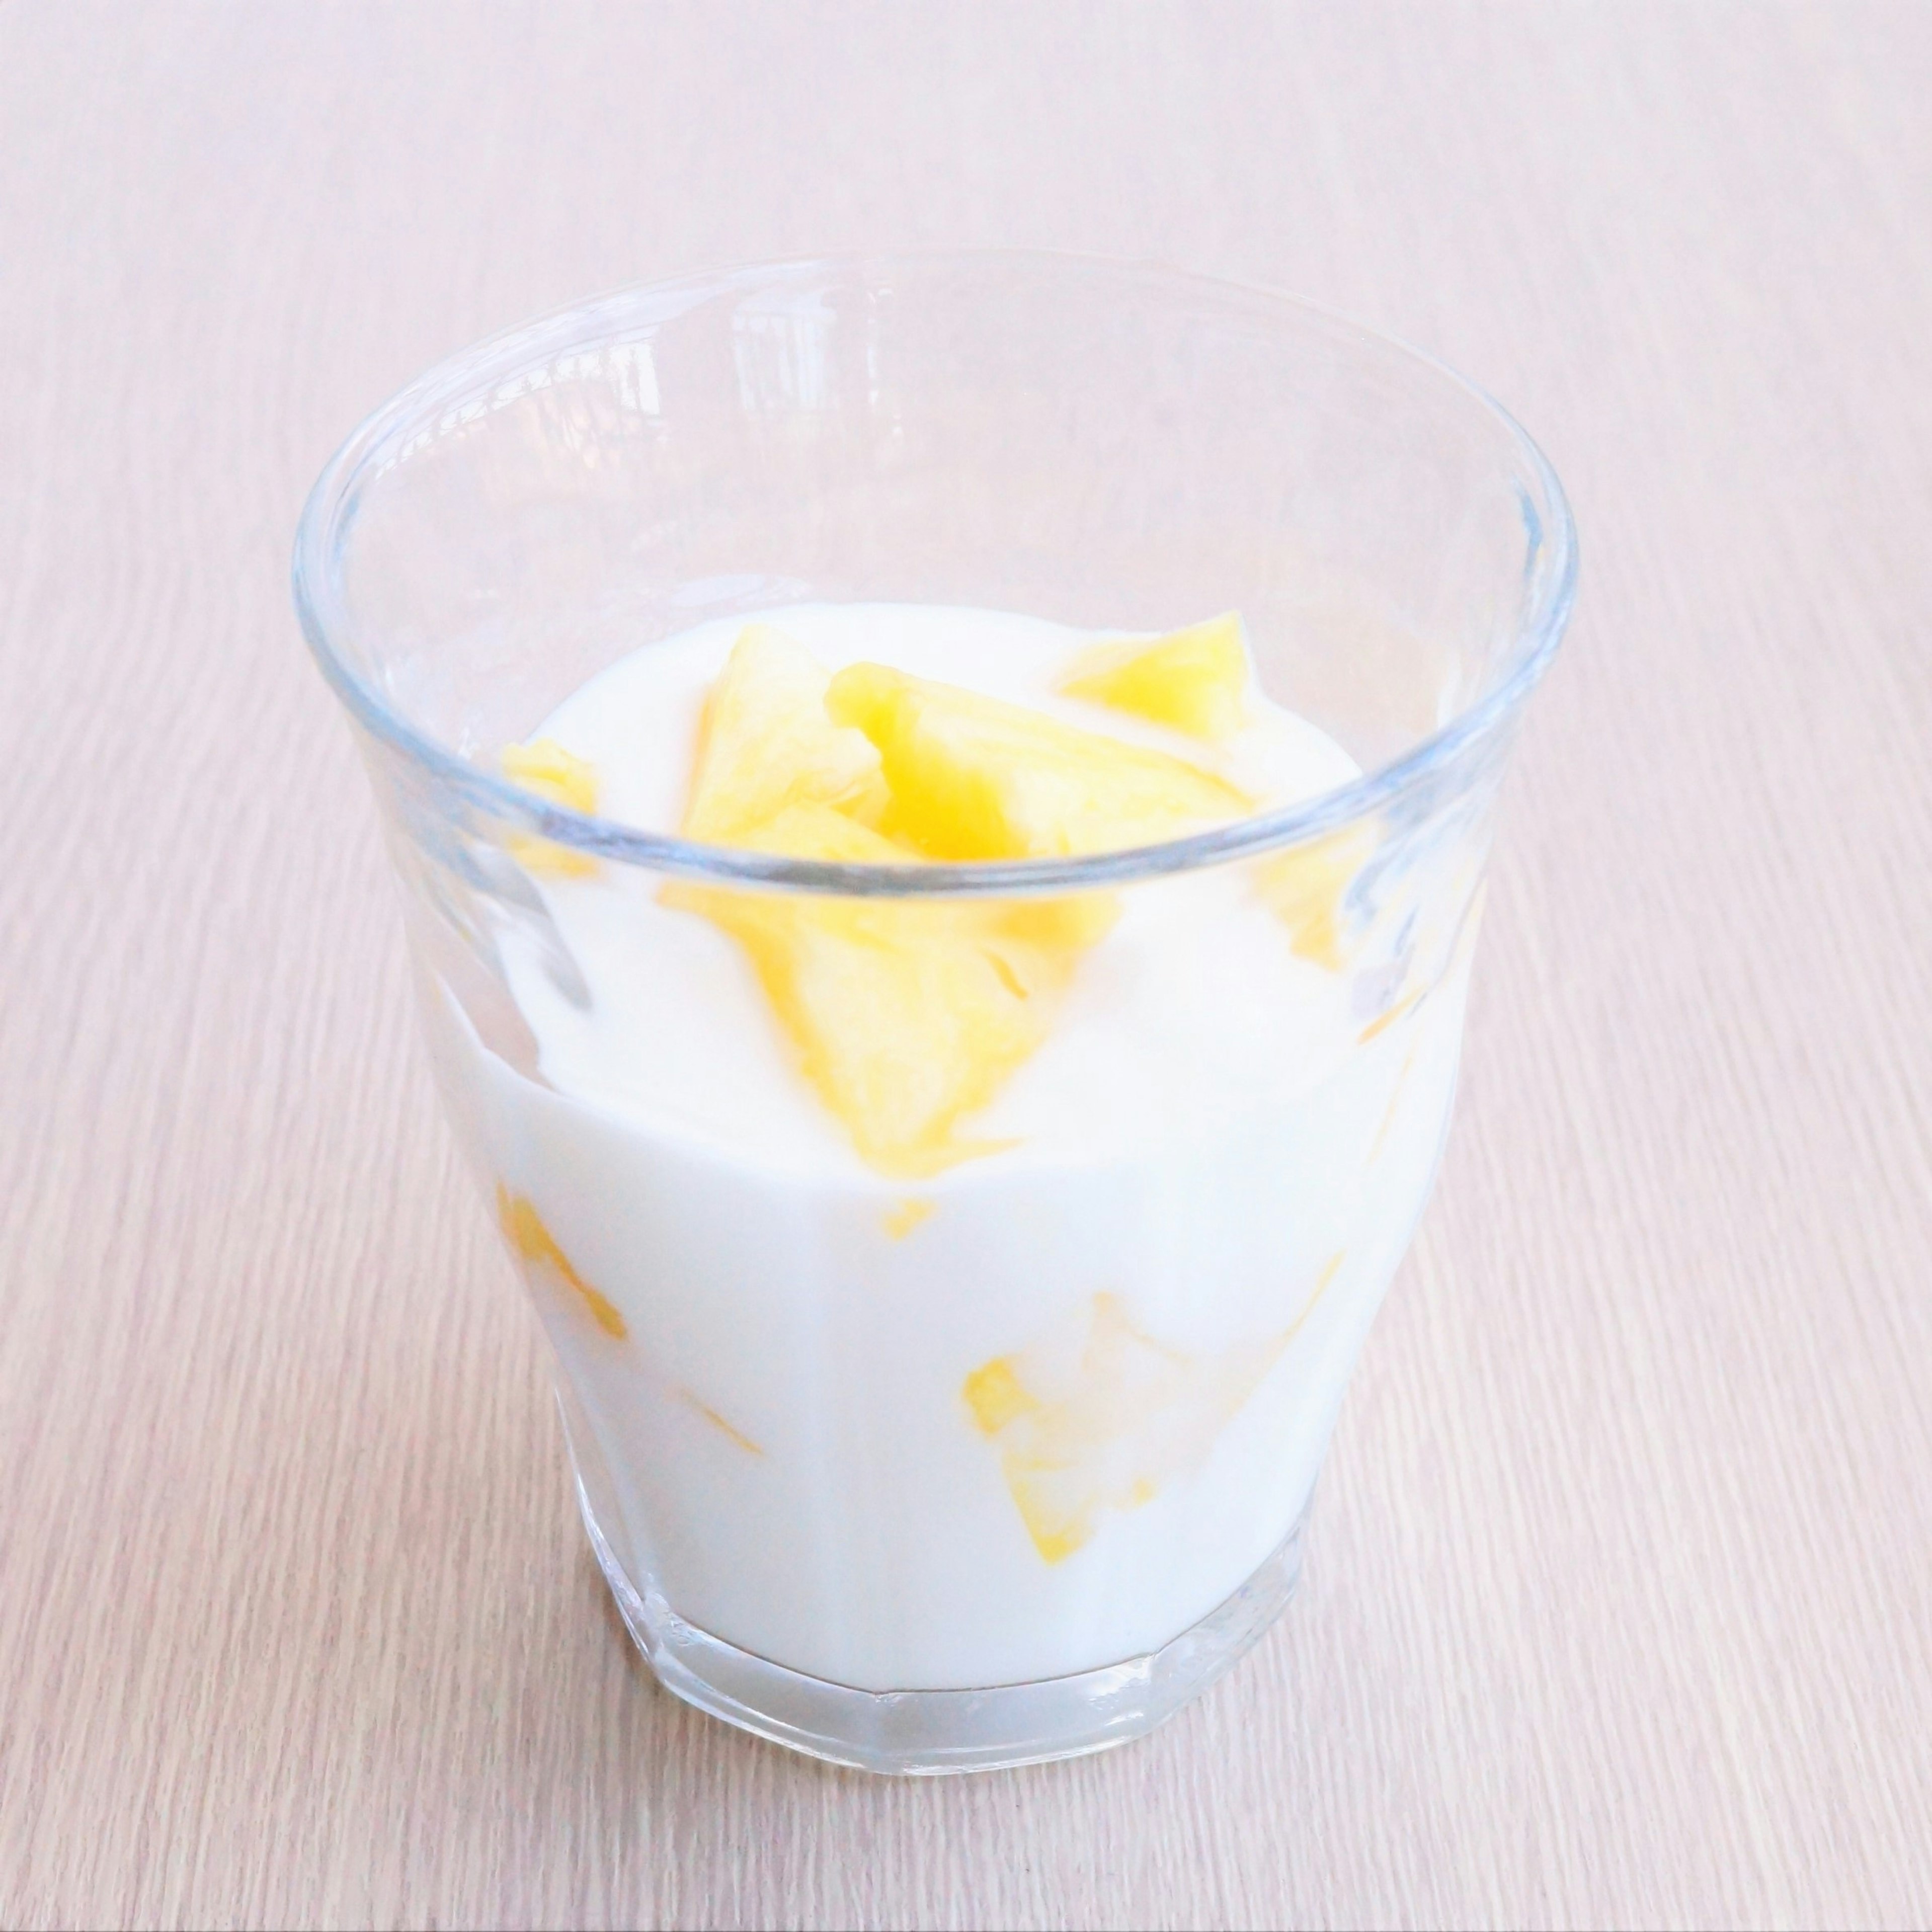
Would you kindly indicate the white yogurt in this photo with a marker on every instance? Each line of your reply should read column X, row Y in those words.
column 1039, row 1414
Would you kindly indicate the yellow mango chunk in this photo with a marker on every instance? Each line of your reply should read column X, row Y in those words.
column 1195, row 680
column 765, row 743
column 1305, row 887
column 972, row 777
column 906, row 1015
column 1096, row 1415
column 533, row 1244
column 544, row 767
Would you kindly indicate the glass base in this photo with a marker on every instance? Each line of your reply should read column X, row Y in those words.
column 927, row 1732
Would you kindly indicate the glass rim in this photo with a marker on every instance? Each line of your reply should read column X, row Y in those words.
column 386, row 435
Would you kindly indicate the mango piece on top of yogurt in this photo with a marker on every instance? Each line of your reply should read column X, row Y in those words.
column 1195, row 680
column 544, row 767
column 906, row 1015
column 765, row 742
column 973, row 777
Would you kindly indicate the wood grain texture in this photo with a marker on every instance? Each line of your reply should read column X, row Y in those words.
column 1619, row 1607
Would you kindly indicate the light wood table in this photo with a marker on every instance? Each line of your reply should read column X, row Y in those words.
column 1619, row 1606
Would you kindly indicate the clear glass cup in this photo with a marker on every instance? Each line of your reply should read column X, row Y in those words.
column 1007, row 1462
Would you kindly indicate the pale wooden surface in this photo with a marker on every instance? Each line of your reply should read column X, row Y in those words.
column 1618, row 1607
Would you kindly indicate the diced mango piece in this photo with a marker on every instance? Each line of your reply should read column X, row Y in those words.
column 1096, row 1415
column 544, row 767
column 972, row 777
column 1307, row 885
column 766, row 743
column 1195, row 680
column 906, row 1015
column 534, row 1244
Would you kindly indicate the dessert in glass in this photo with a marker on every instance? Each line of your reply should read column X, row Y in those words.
column 941, row 804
